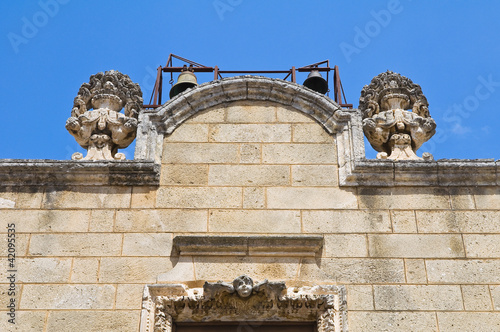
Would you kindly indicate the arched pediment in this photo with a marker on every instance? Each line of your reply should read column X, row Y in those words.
column 193, row 101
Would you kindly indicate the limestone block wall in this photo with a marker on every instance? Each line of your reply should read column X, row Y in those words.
column 412, row 258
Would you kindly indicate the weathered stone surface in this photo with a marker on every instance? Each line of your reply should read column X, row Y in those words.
column 345, row 245
column 46, row 220
column 184, row 174
column 458, row 221
column 314, row 175
column 478, row 245
column 161, row 220
column 87, row 197
column 476, row 298
column 41, row 270
column 469, row 321
column 209, row 197
column 299, row 153
column 26, row 321
column 495, row 295
column 189, row 132
column 254, row 221
column 392, row 321
column 75, row 244
column 249, row 175
column 463, row 271
column 68, row 297
column 147, row 244
column 346, row 221
column 187, row 153
column 132, row 269
column 404, row 221
column 101, row 220
column 250, row 133
column 21, row 243
column 143, row 197
column 416, row 246
column 92, row 321
column 254, row 197
column 487, row 198
column 261, row 267
column 85, row 270
column 251, row 153
column 215, row 114
column 417, row 297
column 398, row 198
column 310, row 133
column 360, row 297
column 251, row 112
column 415, row 271
column 129, row 296
column 310, row 198
column 353, row 270
column 462, row 198
column 290, row 115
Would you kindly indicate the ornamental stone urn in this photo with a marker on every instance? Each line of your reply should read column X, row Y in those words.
column 396, row 117
column 104, row 130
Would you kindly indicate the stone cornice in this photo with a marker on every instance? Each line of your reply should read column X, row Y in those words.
column 356, row 170
column 298, row 245
column 42, row 172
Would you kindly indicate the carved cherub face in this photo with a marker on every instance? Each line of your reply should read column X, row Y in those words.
column 243, row 285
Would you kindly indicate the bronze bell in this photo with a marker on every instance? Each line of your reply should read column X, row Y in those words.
column 186, row 80
column 316, row 82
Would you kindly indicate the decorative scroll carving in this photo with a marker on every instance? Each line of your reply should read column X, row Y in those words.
column 396, row 117
column 104, row 130
column 241, row 300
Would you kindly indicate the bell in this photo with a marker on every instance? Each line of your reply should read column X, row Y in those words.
column 316, row 82
column 186, row 80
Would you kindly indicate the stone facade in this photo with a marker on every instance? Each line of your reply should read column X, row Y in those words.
column 257, row 177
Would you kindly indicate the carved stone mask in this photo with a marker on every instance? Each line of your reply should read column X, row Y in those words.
column 243, row 285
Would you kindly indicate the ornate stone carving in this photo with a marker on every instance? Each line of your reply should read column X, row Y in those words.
column 242, row 300
column 396, row 117
column 104, row 130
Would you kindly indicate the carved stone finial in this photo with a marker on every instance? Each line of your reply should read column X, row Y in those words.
column 396, row 117
column 104, row 130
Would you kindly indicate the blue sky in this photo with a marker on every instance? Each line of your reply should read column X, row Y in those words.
column 50, row 47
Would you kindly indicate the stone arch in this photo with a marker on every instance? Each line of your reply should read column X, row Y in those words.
column 189, row 103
